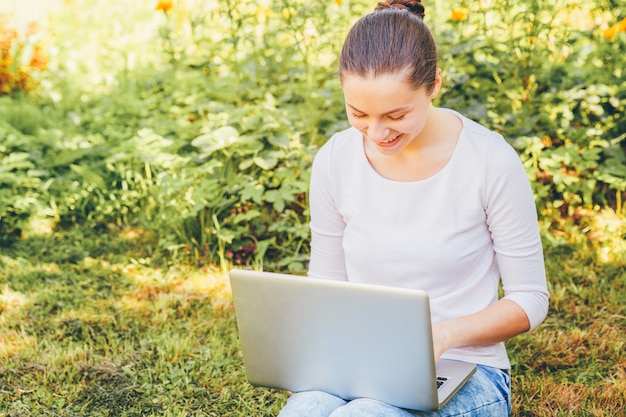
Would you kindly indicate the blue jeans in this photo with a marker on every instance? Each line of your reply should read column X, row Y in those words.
column 486, row 394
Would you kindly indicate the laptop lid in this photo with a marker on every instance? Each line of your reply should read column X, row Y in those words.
column 351, row 340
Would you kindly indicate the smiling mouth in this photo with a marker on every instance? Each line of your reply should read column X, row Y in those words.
column 389, row 141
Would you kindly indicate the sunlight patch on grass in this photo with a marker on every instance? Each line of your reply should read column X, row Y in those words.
column 39, row 226
column 603, row 231
column 15, row 341
column 157, row 289
column 132, row 233
column 50, row 268
column 607, row 230
column 8, row 263
column 10, row 300
column 66, row 355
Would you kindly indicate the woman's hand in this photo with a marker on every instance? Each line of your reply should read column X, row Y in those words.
column 440, row 339
column 496, row 323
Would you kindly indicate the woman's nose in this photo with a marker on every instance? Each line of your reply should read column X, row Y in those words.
column 377, row 131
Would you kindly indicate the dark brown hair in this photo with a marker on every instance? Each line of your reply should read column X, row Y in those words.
column 393, row 39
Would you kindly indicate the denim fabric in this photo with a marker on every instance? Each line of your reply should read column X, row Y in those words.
column 486, row 394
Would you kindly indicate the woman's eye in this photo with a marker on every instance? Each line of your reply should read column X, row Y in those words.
column 397, row 118
column 358, row 116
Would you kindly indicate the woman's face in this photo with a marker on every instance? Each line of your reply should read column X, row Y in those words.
column 387, row 111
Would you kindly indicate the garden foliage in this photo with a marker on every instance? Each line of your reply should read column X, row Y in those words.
column 198, row 121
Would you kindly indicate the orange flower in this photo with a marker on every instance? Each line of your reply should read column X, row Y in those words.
column 6, row 39
column 39, row 59
column 165, row 5
column 339, row 2
column 610, row 32
column 33, row 28
column 459, row 14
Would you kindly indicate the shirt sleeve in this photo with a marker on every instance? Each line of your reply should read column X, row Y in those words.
column 327, row 225
column 512, row 222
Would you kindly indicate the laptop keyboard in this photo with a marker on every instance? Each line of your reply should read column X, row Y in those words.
column 440, row 381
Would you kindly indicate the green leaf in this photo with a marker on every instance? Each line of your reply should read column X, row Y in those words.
column 220, row 138
column 89, row 176
column 252, row 192
column 266, row 161
column 247, row 216
column 280, row 140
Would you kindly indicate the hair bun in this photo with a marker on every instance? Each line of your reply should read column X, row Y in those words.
column 414, row 6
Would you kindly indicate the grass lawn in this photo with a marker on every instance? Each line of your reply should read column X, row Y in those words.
column 88, row 327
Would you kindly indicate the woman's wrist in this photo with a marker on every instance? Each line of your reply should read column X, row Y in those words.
column 442, row 338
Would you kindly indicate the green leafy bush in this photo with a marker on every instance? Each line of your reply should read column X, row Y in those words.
column 199, row 123
column 23, row 183
column 548, row 79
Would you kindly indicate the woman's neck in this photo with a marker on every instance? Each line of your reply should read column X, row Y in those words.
column 427, row 154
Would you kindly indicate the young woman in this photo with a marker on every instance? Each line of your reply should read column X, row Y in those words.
column 421, row 197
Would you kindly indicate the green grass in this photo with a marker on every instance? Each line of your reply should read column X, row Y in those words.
column 89, row 326
column 87, row 330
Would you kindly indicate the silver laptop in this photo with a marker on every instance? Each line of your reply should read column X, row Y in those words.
column 351, row 340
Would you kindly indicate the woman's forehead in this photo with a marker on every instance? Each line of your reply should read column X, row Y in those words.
column 381, row 94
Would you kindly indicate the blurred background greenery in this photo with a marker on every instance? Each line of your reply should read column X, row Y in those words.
column 197, row 120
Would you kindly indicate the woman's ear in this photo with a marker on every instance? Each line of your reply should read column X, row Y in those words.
column 437, row 85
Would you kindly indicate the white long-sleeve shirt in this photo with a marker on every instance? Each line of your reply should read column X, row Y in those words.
column 454, row 235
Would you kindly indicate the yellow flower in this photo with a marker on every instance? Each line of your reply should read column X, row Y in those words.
column 610, row 32
column 286, row 13
column 164, row 5
column 621, row 25
column 459, row 14
column 339, row 2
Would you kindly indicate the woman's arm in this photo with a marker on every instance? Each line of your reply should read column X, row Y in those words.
column 512, row 222
column 327, row 225
column 498, row 322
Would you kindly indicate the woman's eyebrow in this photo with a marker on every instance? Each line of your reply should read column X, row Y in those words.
column 396, row 110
